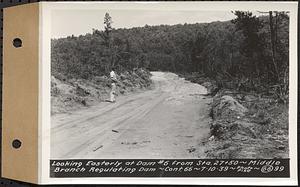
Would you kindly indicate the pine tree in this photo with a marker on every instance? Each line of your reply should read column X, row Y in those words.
column 107, row 41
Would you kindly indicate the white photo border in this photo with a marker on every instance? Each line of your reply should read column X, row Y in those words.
column 46, row 9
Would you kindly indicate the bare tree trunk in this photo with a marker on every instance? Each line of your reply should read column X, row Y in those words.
column 231, row 51
column 272, row 34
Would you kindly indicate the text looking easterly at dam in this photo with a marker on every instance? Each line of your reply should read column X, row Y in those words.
column 170, row 168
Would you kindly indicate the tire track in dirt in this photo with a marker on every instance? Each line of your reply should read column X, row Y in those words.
column 100, row 123
column 89, row 132
column 105, row 132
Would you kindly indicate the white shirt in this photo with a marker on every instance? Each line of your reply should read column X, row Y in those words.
column 113, row 75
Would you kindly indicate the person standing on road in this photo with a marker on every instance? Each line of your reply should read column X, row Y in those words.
column 113, row 78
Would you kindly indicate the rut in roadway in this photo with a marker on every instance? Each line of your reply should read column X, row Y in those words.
column 169, row 121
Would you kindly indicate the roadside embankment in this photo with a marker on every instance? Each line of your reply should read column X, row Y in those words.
column 245, row 124
column 67, row 95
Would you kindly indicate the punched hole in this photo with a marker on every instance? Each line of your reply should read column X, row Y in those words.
column 16, row 144
column 17, row 42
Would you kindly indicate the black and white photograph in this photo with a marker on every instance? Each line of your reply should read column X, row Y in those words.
column 143, row 84
column 147, row 93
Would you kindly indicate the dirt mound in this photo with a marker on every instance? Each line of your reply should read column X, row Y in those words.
column 71, row 94
column 245, row 126
column 227, row 114
column 226, row 106
column 223, row 130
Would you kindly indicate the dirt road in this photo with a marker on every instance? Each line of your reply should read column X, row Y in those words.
column 168, row 121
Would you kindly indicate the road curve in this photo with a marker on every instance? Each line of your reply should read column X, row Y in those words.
column 168, row 121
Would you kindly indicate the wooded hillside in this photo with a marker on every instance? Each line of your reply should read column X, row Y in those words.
column 247, row 53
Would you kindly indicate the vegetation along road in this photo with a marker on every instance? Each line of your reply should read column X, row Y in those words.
column 168, row 121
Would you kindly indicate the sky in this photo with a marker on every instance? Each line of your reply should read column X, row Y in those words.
column 79, row 22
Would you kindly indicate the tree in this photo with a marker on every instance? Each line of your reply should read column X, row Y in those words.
column 107, row 41
column 107, row 28
column 277, row 44
column 252, row 46
column 235, row 51
column 273, row 42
